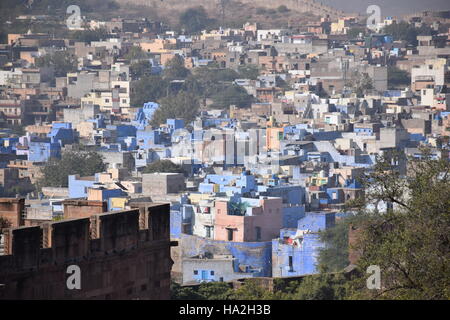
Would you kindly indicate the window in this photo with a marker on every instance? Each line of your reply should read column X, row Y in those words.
column 196, row 272
column 212, row 272
column 258, row 233
column 230, row 234
column 291, row 267
column 208, row 231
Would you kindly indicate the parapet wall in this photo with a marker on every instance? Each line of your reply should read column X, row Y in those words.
column 118, row 255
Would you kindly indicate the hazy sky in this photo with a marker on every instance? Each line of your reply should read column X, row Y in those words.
column 389, row 7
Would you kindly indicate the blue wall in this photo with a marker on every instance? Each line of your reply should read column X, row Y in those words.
column 78, row 188
column 291, row 215
column 43, row 151
column 257, row 255
column 304, row 257
column 316, row 221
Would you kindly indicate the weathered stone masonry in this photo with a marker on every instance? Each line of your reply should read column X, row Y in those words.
column 122, row 255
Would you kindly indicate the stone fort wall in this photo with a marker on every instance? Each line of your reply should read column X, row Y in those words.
column 121, row 255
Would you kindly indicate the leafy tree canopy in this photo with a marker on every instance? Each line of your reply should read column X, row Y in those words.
column 361, row 83
column 232, row 95
column 163, row 166
column 175, row 69
column 140, row 69
column 183, row 105
column 398, row 77
column 410, row 241
column 90, row 35
column 135, row 53
column 56, row 171
column 249, row 71
column 62, row 61
column 354, row 32
column 407, row 32
column 195, row 19
column 148, row 88
column 282, row 9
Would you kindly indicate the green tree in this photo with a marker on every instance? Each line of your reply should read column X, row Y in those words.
column 90, row 35
column 56, row 171
column 407, row 32
column 195, row 19
column 334, row 257
column 212, row 79
column 135, row 53
column 361, row 83
column 148, row 88
column 354, row 32
column 216, row 290
column 140, row 69
column 251, row 290
column 183, row 105
column 249, row 71
column 320, row 287
column 203, row 291
column 398, row 78
column 193, row 85
column 283, row 9
column 409, row 242
column 232, row 95
column 175, row 69
column 62, row 61
column 163, row 166
column 177, row 292
column 402, row 31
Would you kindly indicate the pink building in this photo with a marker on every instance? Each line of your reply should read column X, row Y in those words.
column 254, row 220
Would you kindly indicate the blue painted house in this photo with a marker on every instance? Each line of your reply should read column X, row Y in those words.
column 43, row 150
column 296, row 251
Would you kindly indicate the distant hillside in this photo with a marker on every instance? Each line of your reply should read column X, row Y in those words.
column 389, row 7
column 303, row 6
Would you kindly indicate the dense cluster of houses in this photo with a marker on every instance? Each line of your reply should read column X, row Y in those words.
column 259, row 183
